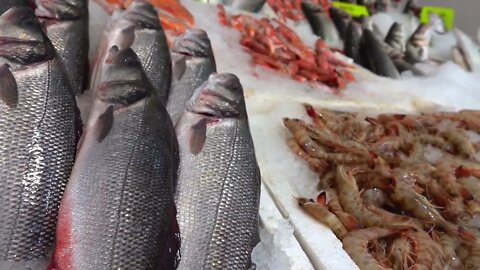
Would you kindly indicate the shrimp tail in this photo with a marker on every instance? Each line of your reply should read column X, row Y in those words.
column 466, row 235
column 349, row 221
column 322, row 198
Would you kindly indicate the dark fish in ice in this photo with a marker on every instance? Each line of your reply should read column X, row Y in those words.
column 118, row 210
column 217, row 201
column 341, row 19
column 417, row 45
column 66, row 25
column 319, row 21
column 374, row 56
column 138, row 27
column 352, row 41
column 395, row 37
column 39, row 127
column 193, row 62
column 7, row 4
column 403, row 65
column 249, row 5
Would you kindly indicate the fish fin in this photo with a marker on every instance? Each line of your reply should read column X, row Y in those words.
column 179, row 68
column 104, row 124
column 8, row 87
column 199, row 135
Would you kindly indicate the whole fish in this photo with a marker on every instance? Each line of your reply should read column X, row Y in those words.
column 320, row 22
column 395, row 37
column 7, row 4
column 193, row 63
column 118, row 210
column 66, row 25
column 138, row 27
column 218, row 201
column 341, row 19
column 248, row 5
column 38, row 136
column 374, row 56
column 352, row 41
column 417, row 46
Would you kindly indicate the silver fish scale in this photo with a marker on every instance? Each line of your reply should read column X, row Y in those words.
column 196, row 72
column 152, row 50
column 70, row 39
column 119, row 201
column 217, row 199
column 37, row 150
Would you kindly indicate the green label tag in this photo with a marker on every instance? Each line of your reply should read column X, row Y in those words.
column 352, row 9
column 447, row 15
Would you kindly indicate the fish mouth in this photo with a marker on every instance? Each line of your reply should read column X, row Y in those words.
column 122, row 92
column 193, row 43
column 59, row 9
column 142, row 14
column 22, row 51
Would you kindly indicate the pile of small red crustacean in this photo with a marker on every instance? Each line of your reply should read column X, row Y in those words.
column 400, row 191
column 291, row 9
column 274, row 45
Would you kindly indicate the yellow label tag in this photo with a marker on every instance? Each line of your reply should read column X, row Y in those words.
column 352, row 9
column 447, row 15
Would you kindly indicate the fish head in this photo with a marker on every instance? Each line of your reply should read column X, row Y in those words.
column 220, row 96
column 194, row 42
column 143, row 14
column 22, row 40
column 123, row 82
column 311, row 8
column 60, row 9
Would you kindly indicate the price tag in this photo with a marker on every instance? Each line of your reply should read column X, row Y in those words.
column 352, row 9
column 447, row 15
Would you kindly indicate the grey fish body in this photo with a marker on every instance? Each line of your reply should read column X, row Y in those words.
column 374, row 56
column 249, row 5
column 193, row 63
column 319, row 21
column 395, row 37
column 341, row 19
column 118, row 205
column 7, row 4
column 70, row 39
column 403, row 65
column 217, row 201
column 38, row 136
column 352, row 41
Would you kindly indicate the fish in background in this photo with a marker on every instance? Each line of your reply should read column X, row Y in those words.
column 320, row 22
column 7, row 4
column 39, row 130
column 395, row 37
column 341, row 19
column 118, row 210
column 218, row 200
column 66, row 25
column 353, row 37
column 416, row 49
column 137, row 27
column 193, row 62
column 374, row 56
column 248, row 5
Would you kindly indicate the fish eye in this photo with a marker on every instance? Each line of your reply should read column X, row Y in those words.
column 29, row 23
column 130, row 62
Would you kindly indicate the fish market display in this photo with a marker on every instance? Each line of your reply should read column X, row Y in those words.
column 66, row 25
column 193, row 62
column 138, row 26
column 118, row 210
column 396, row 189
column 38, row 135
column 320, row 22
column 274, row 45
column 217, row 201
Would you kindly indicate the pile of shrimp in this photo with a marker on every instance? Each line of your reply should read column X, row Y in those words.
column 291, row 9
column 175, row 18
column 400, row 191
column 272, row 44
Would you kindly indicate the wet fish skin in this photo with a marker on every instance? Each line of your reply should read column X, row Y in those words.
column 374, row 57
column 7, row 4
column 395, row 37
column 320, row 22
column 352, row 41
column 193, row 63
column 341, row 19
column 403, row 65
column 118, row 205
column 39, row 128
column 66, row 25
column 417, row 46
column 217, row 202
column 248, row 5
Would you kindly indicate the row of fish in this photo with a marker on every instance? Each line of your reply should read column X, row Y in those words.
column 164, row 174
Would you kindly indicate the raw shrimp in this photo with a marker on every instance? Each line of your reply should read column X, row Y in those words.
column 460, row 142
column 356, row 243
column 469, row 119
column 334, row 205
column 316, row 164
column 429, row 254
column 299, row 131
column 346, row 146
column 321, row 213
column 401, row 253
column 375, row 197
column 449, row 245
column 351, row 201
column 473, row 260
